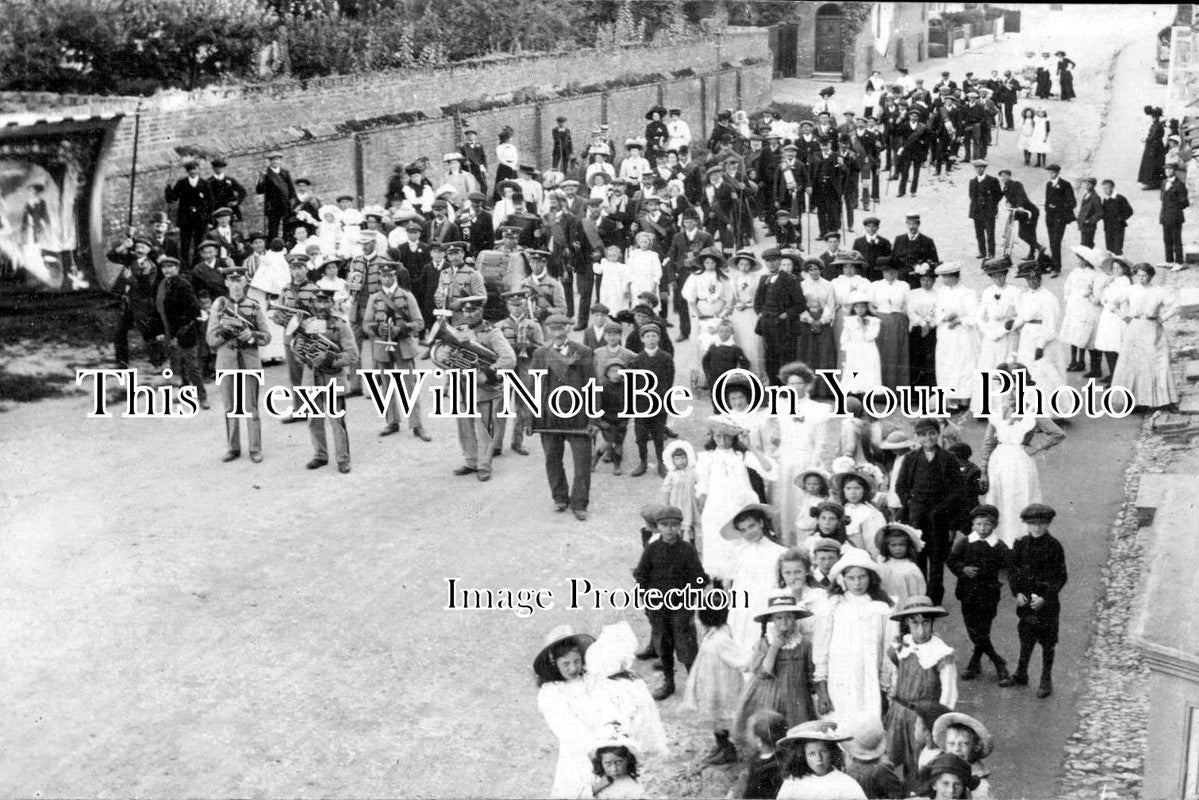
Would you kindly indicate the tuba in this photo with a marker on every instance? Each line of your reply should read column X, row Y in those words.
column 449, row 349
column 311, row 345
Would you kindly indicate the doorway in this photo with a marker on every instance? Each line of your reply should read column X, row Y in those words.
column 784, row 41
column 829, row 56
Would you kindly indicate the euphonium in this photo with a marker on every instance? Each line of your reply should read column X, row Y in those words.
column 310, row 344
column 450, row 350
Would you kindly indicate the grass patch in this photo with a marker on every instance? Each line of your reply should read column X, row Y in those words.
column 21, row 388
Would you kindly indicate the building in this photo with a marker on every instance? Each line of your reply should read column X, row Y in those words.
column 846, row 41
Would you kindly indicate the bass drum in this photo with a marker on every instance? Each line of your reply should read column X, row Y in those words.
column 496, row 269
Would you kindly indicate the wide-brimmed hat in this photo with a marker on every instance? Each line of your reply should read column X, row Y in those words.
column 844, row 257
column 817, row 471
column 948, row 268
column 819, row 730
column 710, row 252
column 747, row 255
column 720, row 424
column 659, row 110
column 1097, row 257
column 915, row 536
column 853, row 557
column 898, row 439
column 993, row 266
column 985, row 742
column 729, row 531
column 1029, row 269
column 781, row 601
column 869, row 740
column 668, row 451
column 841, row 477
column 543, row 665
column 918, row 604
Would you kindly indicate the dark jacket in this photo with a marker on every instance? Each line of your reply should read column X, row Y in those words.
column 985, row 586
column 228, row 192
column 779, row 302
column 573, row 369
column 985, row 194
column 675, row 262
column 1059, row 203
column 1174, row 200
column 1090, row 211
column 563, row 146
column 1116, row 211
column 907, row 253
column 669, row 566
column 943, row 481
column 1038, row 566
column 177, row 307
column 872, row 253
column 277, row 190
column 195, row 202
column 660, row 363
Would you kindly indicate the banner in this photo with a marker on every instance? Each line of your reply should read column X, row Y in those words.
column 51, row 184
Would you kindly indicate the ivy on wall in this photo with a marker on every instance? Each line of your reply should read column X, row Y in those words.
column 854, row 18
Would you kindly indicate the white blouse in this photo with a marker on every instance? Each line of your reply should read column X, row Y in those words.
column 922, row 305
column 507, row 154
column 889, row 297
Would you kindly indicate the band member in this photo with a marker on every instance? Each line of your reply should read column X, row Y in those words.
column 476, row 434
column 392, row 321
column 363, row 281
column 294, row 300
column 179, row 311
column 550, row 297
column 524, row 335
column 566, row 363
column 457, row 281
column 278, row 194
column 236, row 329
column 321, row 366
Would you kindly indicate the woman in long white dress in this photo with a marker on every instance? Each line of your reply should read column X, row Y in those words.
column 744, row 319
column 957, row 336
column 709, row 296
column 1013, row 481
column 1144, row 365
column 1037, row 317
column 1109, row 331
column 996, row 308
column 802, row 437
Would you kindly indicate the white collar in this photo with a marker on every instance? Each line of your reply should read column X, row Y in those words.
column 991, row 540
column 928, row 654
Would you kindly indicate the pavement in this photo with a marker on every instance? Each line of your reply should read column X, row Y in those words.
column 172, row 625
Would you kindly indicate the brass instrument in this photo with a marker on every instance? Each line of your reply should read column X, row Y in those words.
column 449, row 349
column 235, row 322
column 311, row 345
column 385, row 337
column 355, row 281
column 1007, row 230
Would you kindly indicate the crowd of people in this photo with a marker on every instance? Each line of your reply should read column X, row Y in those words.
column 831, row 682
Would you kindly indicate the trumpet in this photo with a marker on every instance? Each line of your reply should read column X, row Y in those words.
column 290, row 311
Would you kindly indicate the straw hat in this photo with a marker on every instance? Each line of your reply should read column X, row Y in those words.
column 719, row 424
column 871, row 484
column 747, row 255
column 915, row 536
column 869, row 741
column 820, row 730
column 853, row 557
column 918, row 604
column 781, row 601
column 817, row 471
column 729, row 531
column 543, row 664
column 985, row 742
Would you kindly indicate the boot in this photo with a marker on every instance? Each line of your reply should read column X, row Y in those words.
column 720, row 737
column 1005, row 677
column 1046, row 687
column 723, row 753
column 667, row 687
column 640, row 469
column 973, row 668
column 596, row 457
column 1020, row 677
column 617, row 457
column 1096, row 365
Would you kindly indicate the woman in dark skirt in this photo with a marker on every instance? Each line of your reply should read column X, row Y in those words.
column 1044, row 78
column 889, row 299
column 1153, row 159
column 922, row 340
column 655, row 134
column 1065, row 76
column 817, row 346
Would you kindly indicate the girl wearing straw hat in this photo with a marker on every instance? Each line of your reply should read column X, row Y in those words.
column 812, row 763
column 862, row 368
column 851, row 642
column 965, row 737
column 781, row 668
column 723, row 485
column 925, row 672
column 576, row 715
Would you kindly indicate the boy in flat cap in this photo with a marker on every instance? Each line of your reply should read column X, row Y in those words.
column 177, row 307
column 391, row 324
column 135, row 286
column 236, row 329
column 976, row 559
column 667, row 563
column 525, row 336
column 1037, row 573
column 656, row 360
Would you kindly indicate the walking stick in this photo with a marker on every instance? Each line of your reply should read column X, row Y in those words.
column 137, row 130
column 809, row 212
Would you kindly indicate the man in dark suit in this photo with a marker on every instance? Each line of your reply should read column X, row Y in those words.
column 179, row 311
column 681, row 260
column 913, row 248
column 1116, row 213
column 1174, row 200
column 828, row 173
column 1026, row 213
column 769, row 158
column 278, row 194
column 1090, row 212
column 416, row 257
column 233, row 245
column 927, row 485
column 563, row 146
column 985, row 194
column 872, row 247
column 194, row 209
column 1059, row 213
column 911, row 152
column 719, row 201
column 225, row 190
column 163, row 241
column 570, row 255
column 779, row 302
column 790, row 183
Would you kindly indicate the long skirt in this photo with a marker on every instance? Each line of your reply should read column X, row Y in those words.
column 818, row 349
column 273, row 350
column 1013, row 484
column 787, row 693
column 1049, row 371
column 956, row 358
column 1066, row 79
column 922, row 351
column 744, row 322
column 912, row 684
column 1144, row 364
column 893, row 349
